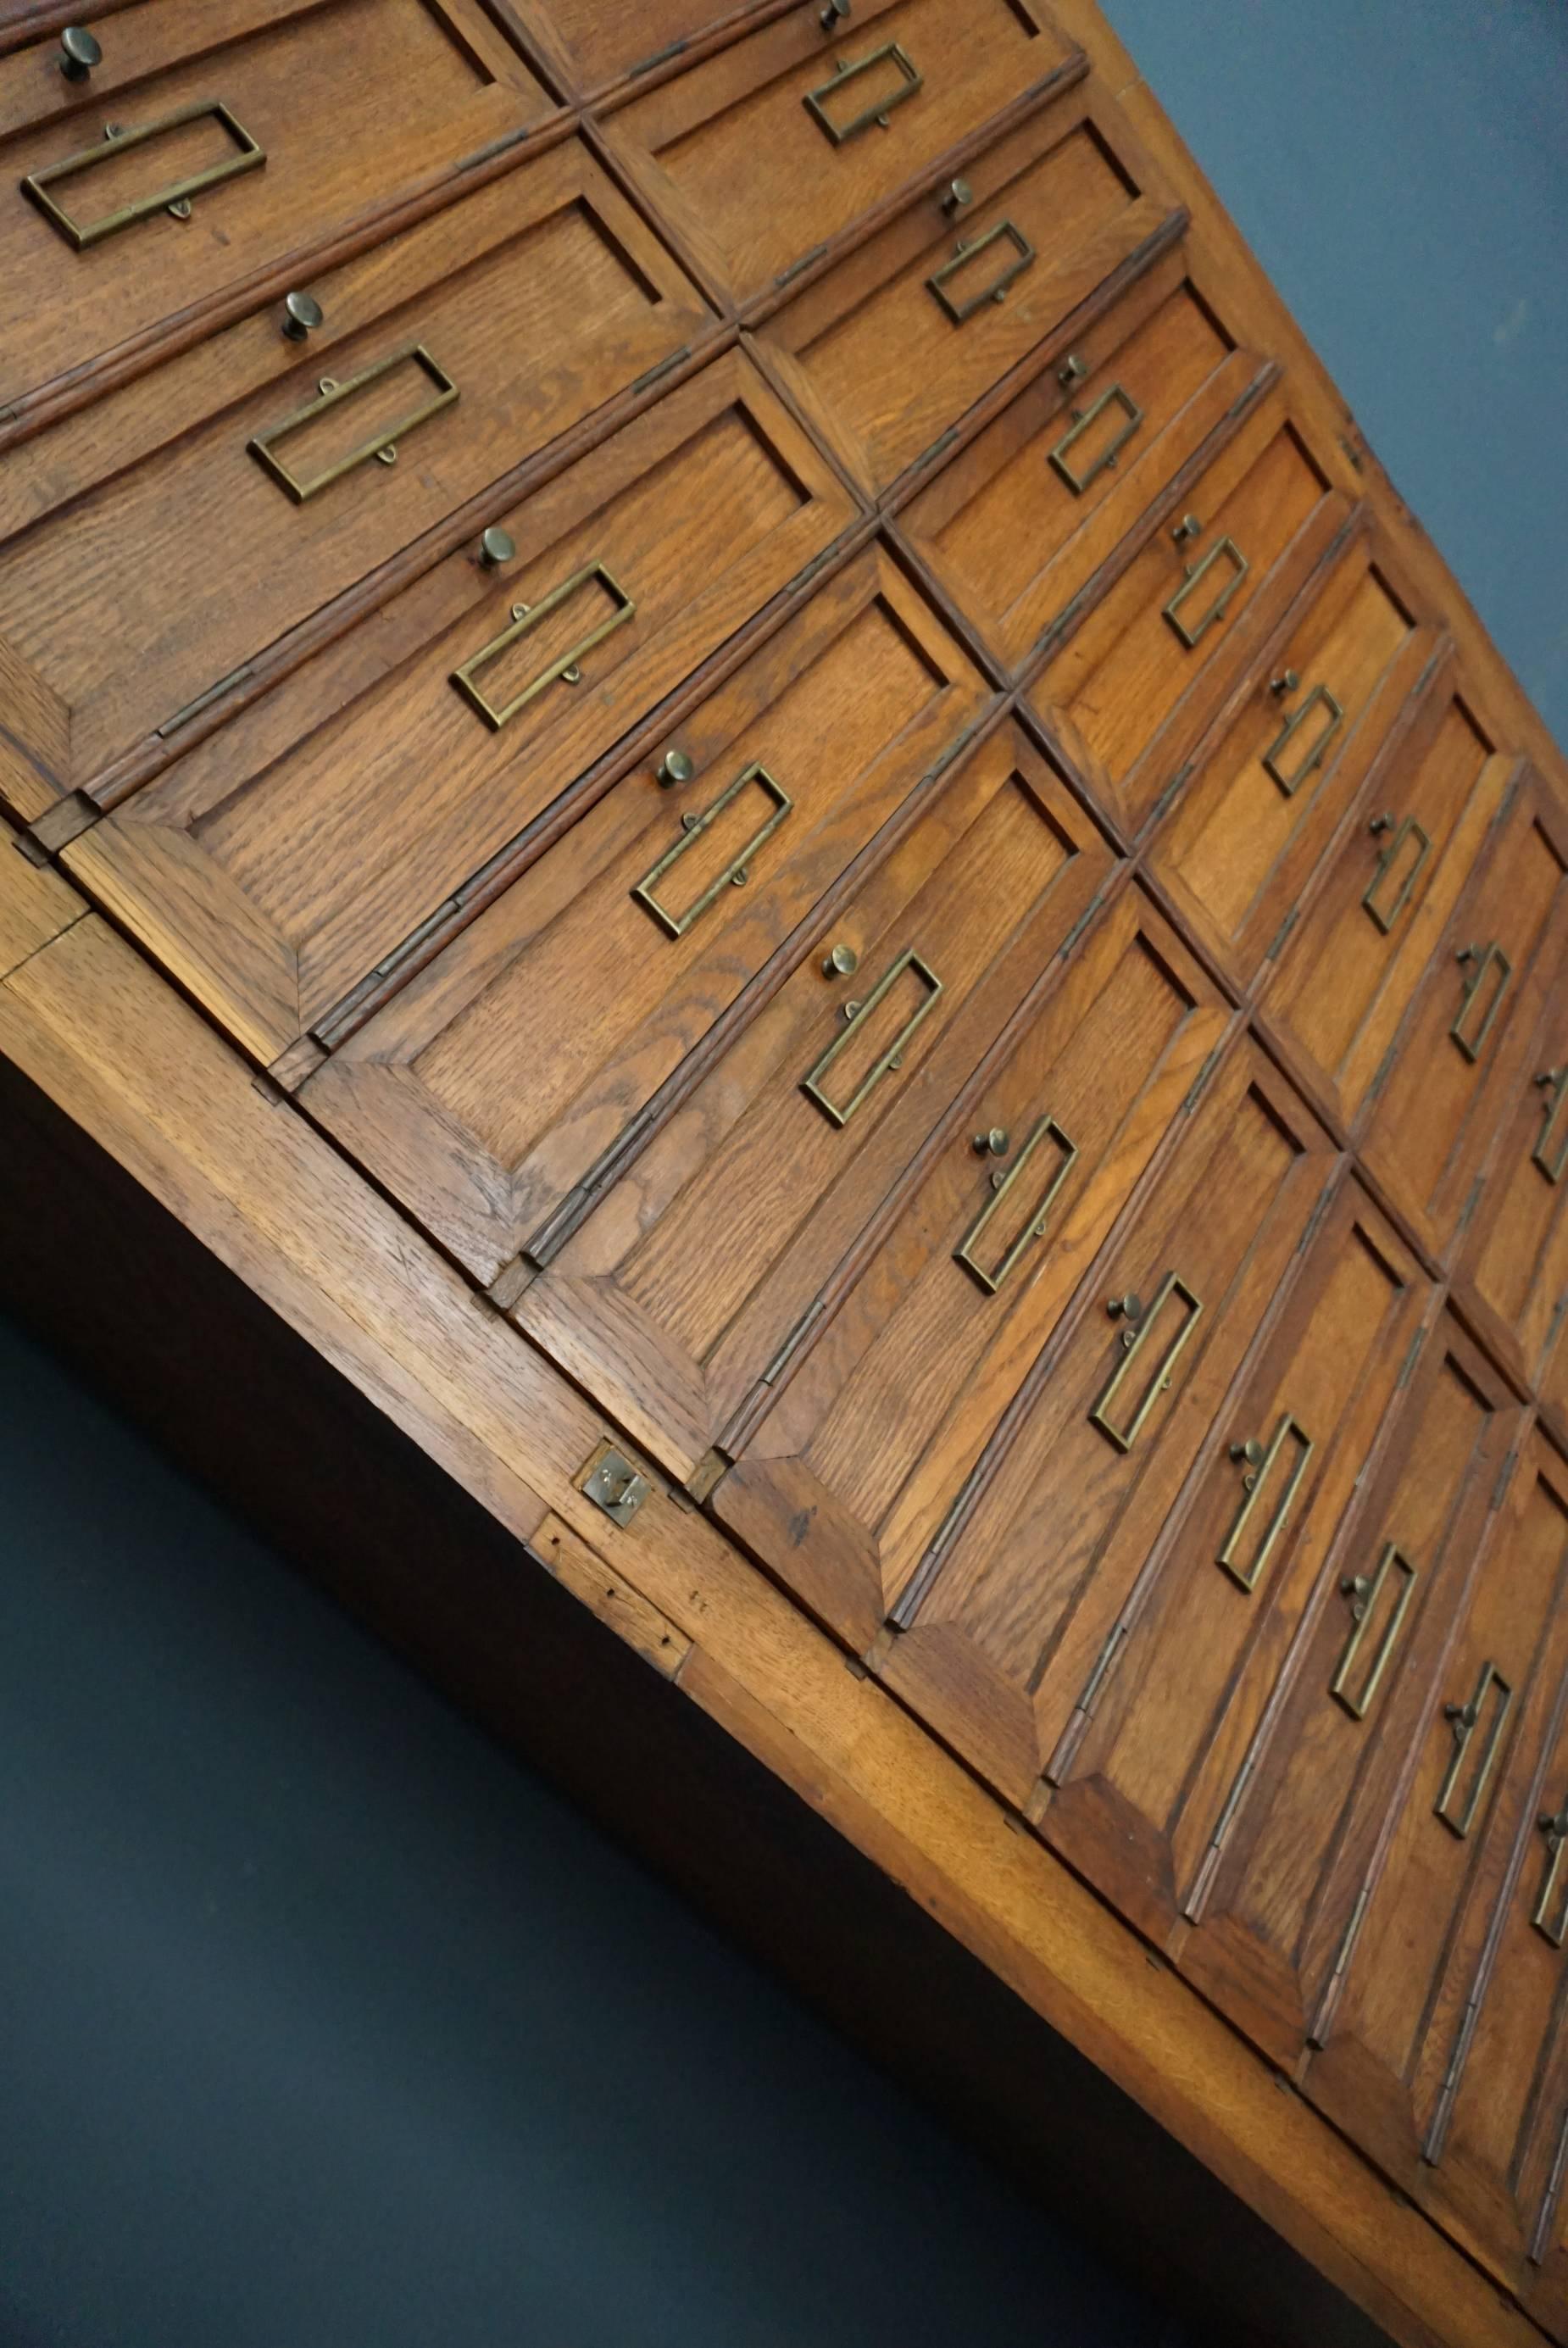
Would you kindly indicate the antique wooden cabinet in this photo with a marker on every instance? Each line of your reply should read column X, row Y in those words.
column 770, row 941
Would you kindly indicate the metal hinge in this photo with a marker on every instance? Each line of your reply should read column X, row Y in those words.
column 1503, row 1473
column 1383, row 1065
column 936, row 448
column 1408, row 1363
column 1168, row 793
column 344, row 1011
column 1078, row 927
column 1101, row 1671
column 1536, row 2253
column 660, row 57
column 1283, row 932
column 194, row 708
column 618, row 1488
column 665, row 366
column 1200, row 1080
column 813, row 1312
column 818, row 562
column 495, row 147
column 1341, row 1961
column 1315, row 1221
column 1477, row 1186
column 796, row 266
column 1515, row 785
column 1218, row 1839
column 1432, row 2148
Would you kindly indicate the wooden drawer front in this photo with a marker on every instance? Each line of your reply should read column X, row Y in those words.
column 330, row 114
column 1461, row 1056
column 1144, row 1780
column 1351, row 965
column 295, row 852
column 1000, row 1631
column 1019, row 522
column 875, row 1436
column 597, row 44
column 1127, row 695
column 1297, row 1845
column 811, row 104
column 1514, row 1268
column 1248, row 831
column 531, row 306
column 508, row 1073
column 1389, row 2040
column 888, row 350
column 704, row 1266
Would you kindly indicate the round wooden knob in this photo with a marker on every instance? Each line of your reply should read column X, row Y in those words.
column 303, row 313
column 79, row 53
column 495, row 547
column 675, row 766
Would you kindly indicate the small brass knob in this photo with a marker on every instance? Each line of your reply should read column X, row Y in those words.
column 1468, row 954
column 959, row 193
column 673, row 767
column 1357, row 1588
column 1549, row 1076
column 1188, row 527
column 1384, row 822
column 1126, row 1307
column 303, row 313
column 1464, row 1715
column 842, row 963
column 836, row 13
column 1286, row 681
column 495, row 547
column 1252, row 1453
column 1557, row 1826
column 79, row 53
column 1072, row 370
column 992, row 1143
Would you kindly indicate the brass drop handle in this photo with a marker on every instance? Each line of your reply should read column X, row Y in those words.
column 1286, row 681
column 843, row 962
column 495, row 547
column 994, row 1143
column 303, row 313
column 957, row 195
column 1188, row 527
column 79, row 53
column 675, row 767
column 836, row 13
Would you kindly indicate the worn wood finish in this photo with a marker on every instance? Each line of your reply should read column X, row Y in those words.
column 594, row 47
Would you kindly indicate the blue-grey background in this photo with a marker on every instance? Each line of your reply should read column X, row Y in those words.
column 321, row 2023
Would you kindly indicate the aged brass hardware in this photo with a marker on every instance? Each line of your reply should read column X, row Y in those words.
column 567, row 667
column 381, row 444
column 1465, row 1718
column 495, row 547
column 1385, row 916
column 1071, row 370
column 842, row 963
column 994, row 1143
column 1045, row 1129
column 736, row 873
column 836, row 13
column 673, row 769
column 1260, row 1466
column 964, row 251
column 616, row 1486
column 1291, row 781
column 1553, row 1164
column 912, row 81
column 1188, row 527
column 1364, row 1592
column 1083, row 419
column 893, row 1057
column 1133, row 1342
column 303, row 313
column 1555, row 1827
column 1196, row 573
column 176, row 197
column 79, row 53
column 959, row 193
column 1485, row 959
column 1286, row 681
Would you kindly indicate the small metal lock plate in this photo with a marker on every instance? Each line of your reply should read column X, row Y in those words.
column 618, row 1488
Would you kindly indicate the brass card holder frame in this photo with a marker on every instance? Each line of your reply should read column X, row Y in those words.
column 331, row 394
column 1319, row 697
column 735, row 872
column 1002, row 1185
column 1386, row 917
column 847, row 70
column 1553, row 1166
column 1464, row 1719
column 1159, row 1379
column 1255, row 1482
column 964, row 253
column 857, row 1013
column 1365, row 1593
column 1083, row 419
column 1555, row 1828
column 1197, row 572
column 249, row 157
column 1474, row 1046
column 525, row 616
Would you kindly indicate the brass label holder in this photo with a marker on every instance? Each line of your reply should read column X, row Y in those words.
column 910, row 82
column 1256, row 1478
column 1364, row 1592
column 1493, row 958
column 1084, row 420
column 1552, row 1162
column 1385, row 916
column 1001, row 1184
column 1465, row 1718
column 735, row 872
column 1133, row 1343
column 382, row 445
column 567, row 667
column 1290, row 781
column 857, row 1013
column 965, row 252
column 176, row 197
column 1223, row 550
